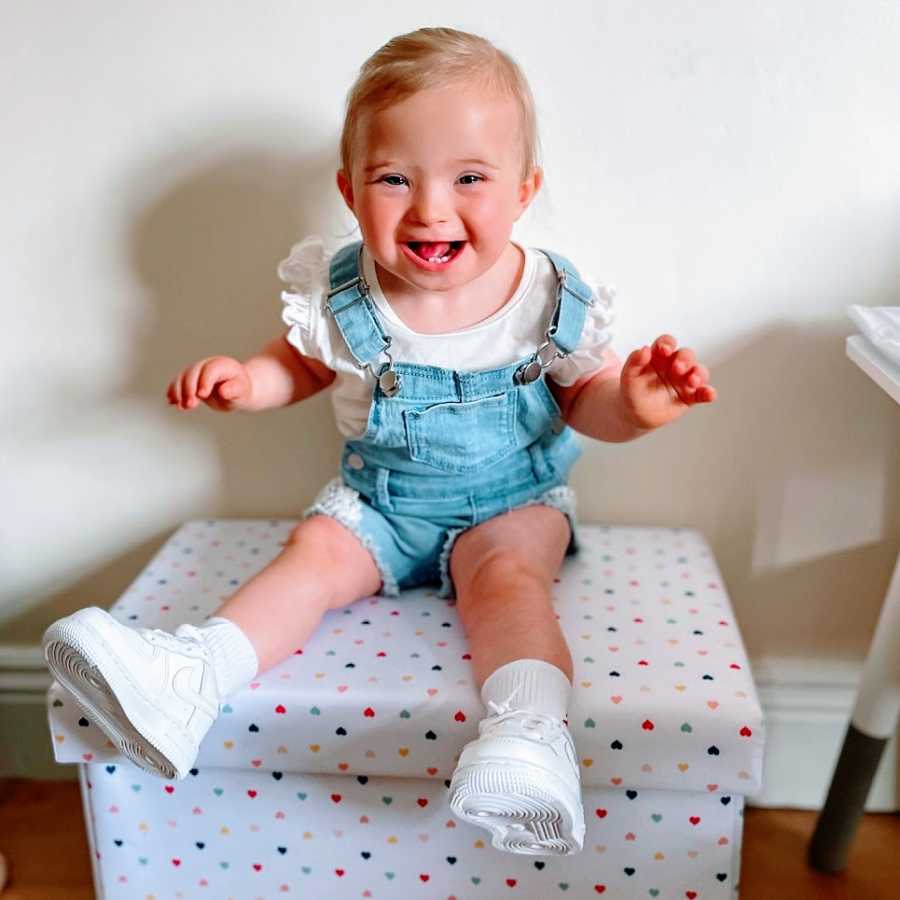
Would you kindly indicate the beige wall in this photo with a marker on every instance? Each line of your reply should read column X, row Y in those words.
column 733, row 169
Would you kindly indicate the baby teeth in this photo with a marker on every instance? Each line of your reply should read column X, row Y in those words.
column 439, row 259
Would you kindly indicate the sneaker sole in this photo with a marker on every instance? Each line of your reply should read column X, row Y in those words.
column 521, row 818
column 110, row 698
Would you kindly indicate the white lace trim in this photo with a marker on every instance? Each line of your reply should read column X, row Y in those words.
column 306, row 271
column 340, row 501
column 306, row 266
column 343, row 504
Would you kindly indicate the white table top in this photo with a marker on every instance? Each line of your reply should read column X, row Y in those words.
column 883, row 371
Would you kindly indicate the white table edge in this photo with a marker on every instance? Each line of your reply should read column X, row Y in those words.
column 884, row 372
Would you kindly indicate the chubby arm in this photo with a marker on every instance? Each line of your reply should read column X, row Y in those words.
column 656, row 385
column 593, row 405
column 276, row 376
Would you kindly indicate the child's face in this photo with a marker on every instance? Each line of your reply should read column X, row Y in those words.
column 444, row 165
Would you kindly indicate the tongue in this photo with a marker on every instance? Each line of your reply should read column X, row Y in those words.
column 429, row 251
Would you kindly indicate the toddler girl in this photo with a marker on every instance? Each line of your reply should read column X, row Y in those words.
column 462, row 364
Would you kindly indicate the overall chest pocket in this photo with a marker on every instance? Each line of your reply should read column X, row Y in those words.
column 463, row 436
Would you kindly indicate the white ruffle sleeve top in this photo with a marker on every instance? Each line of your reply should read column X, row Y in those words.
column 513, row 332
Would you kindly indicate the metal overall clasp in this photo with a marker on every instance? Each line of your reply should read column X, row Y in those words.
column 388, row 379
column 530, row 371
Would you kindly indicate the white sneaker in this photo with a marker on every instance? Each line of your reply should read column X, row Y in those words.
column 520, row 779
column 152, row 693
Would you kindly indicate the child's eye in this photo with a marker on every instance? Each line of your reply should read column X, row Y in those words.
column 393, row 180
column 470, row 178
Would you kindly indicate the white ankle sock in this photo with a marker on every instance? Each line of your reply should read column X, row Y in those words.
column 531, row 684
column 234, row 659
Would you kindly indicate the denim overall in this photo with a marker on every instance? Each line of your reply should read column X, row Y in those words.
column 444, row 450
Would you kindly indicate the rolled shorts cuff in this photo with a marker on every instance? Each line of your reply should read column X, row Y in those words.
column 560, row 497
column 343, row 504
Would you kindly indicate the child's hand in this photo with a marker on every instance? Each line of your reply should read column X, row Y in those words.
column 660, row 383
column 220, row 382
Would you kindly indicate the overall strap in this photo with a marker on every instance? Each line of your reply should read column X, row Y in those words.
column 348, row 301
column 573, row 297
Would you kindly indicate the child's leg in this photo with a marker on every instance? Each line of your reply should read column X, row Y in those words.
column 156, row 694
column 520, row 778
column 503, row 573
column 322, row 566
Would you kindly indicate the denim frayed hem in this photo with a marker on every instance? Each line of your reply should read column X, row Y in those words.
column 342, row 503
column 445, row 591
column 561, row 497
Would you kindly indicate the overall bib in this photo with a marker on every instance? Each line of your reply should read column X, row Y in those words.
column 444, row 450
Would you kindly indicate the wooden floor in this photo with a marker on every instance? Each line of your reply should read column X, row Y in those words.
column 42, row 837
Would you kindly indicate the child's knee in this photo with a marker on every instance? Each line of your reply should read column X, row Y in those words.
column 504, row 581
column 345, row 568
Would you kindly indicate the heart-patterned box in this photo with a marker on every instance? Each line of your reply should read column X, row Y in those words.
column 663, row 707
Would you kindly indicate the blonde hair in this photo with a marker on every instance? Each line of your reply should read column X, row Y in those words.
column 437, row 57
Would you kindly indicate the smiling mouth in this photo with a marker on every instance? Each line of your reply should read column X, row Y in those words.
column 435, row 251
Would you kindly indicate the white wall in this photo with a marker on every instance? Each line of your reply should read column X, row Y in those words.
column 733, row 168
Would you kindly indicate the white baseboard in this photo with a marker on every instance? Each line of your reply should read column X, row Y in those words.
column 22, row 669
column 807, row 706
column 806, row 703
column 25, row 748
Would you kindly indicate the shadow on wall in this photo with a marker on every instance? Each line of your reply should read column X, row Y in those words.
column 207, row 250
column 204, row 245
column 793, row 475
column 809, row 517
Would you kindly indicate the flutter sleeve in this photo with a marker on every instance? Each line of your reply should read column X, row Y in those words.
column 594, row 351
column 305, row 272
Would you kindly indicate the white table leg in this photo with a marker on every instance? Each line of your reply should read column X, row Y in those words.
column 872, row 724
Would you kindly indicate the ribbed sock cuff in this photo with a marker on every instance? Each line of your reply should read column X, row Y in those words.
column 531, row 684
column 234, row 659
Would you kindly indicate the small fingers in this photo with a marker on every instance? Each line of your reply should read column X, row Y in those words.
column 665, row 349
column 664, row 353
column 689, row 382
column 183, row 389
column 176, row 391
column 230, row 389
column 213, row 372
column 639, row 357
column 696, row 376
column 204, row 382
column 676, row 367
column 189, row 379
column 664, row 345
column 681, row 362
column 695, row 386
column 635, row 362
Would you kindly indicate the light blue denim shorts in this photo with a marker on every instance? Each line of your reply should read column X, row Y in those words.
column 411, row 537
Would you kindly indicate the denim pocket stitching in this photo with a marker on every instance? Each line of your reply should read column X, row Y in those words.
column 420, row 448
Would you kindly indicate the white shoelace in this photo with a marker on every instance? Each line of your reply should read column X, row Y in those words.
column 541, row 725
column 500, row 708
column 171, row 641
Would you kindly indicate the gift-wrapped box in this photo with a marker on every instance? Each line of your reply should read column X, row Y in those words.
column 327, row 775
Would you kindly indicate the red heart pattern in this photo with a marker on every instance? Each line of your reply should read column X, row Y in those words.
column 682, row 601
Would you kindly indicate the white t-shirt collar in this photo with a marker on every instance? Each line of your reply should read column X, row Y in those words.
column 384, row 307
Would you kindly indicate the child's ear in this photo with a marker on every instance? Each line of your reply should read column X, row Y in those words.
column 345, row 186
column 529, row 187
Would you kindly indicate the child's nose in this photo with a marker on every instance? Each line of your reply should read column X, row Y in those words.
column 431, row 204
